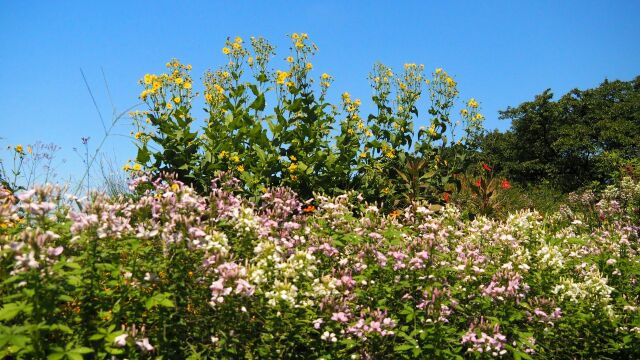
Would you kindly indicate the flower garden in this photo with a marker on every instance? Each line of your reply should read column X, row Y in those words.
column 314, row 232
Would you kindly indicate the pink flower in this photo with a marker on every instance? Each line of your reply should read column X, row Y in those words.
column 340, row 317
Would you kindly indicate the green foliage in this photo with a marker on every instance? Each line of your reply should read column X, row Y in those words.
column 305, row 142
column 584, row 136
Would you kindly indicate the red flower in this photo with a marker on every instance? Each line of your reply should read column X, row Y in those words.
column 505, row 184
column 478, row 182
column 446, row 197
column 486, row 167
column 308, row 209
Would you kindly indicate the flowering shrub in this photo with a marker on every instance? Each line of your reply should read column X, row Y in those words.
column 305, row 142
column 176, row 274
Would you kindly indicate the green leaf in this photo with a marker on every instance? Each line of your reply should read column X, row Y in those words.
column 403, row 347
column 9, row 311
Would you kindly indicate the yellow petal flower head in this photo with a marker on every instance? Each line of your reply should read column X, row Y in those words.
column 238, row 40
column 187, row 85
column 309, row 66
column 19, row 149
column 137, row 167
column 148, row 79
column 289, row 59
column 176, row 100
column 472, row 103
column 226, row 51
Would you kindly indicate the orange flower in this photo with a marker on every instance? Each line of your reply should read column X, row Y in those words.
column 446, row 197
column 308, row 209
column 505, row 184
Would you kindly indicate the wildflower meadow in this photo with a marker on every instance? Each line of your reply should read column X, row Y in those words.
column 285, row 225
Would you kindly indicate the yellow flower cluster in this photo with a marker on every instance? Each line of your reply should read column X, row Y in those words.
column 234, row 48
column 299, row 40
column 388, row 151
column 176, row 84
column 281, row 77
column 215, row 84
column 135, row 167
column 326, row 80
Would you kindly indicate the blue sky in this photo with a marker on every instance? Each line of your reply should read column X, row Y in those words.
column 500, row 52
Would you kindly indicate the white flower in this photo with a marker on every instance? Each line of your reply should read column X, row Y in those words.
column 144, row 345
column 120, row 340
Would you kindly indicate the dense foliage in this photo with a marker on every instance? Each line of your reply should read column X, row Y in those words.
column 585, row 136
column 176, row 274
column 305, row 142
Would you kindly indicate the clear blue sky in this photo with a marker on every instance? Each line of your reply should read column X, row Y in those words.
column 500, row 52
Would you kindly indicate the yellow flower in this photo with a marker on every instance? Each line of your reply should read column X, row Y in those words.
column 19, row 149
column 389, row 73
column 137, row 167
column 299, row 45
column 148, row 79
column 238, row 39
column 325, row 76
column 309, row 66
column 295, row 36
column 236, row 46
column 292, row 167
column 472, row 103
column 225, row 50
column 479, row 116
column 175, row 187
column 138, row 135
column 292, row 157
column 240, row 168
column 218, row 88
column 346, row 96
column 222, row 154
column 179, row 81
column 208, row 97
column 235, row 158
column 169, row 106
column 250, row 61
column 438, row 70
column 187, row 85
column 176, row 100
column 363, row 155
column 289, row 59
column 432, row 131
column 464, row 112
column 189, row 67
column 281, row 76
